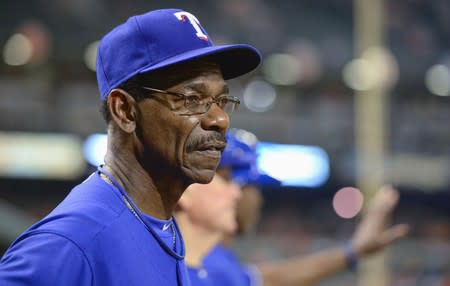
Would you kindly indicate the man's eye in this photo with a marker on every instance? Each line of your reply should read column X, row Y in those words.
column 192, row 99
column 222, row 100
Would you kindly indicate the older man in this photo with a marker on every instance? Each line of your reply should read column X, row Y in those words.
column 165, row 100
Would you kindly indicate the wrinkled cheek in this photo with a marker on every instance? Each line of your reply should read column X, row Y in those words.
column 185, row 138
column 196, row 160
column 199, row 169
column 199, row 166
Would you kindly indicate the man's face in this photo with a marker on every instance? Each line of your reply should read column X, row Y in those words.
column 213, row 206
column 249, row 204
column 172, row 137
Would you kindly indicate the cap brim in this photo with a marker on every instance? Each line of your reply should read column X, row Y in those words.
column 234, row 60
column 251, row 176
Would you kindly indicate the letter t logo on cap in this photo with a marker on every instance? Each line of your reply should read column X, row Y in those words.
column 194, row 22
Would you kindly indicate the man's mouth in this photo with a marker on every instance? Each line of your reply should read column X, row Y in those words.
column 212, row 146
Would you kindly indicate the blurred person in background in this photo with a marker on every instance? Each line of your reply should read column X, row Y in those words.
column 222, row 266
column 166, row 104
column 205, row 213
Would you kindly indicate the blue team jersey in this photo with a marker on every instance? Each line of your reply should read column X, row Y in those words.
column 224, row 268
column 200, row 277
column 92, row 238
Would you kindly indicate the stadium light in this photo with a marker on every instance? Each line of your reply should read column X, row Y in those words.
column 294, row 165
column 94, row 148
column 40, row 155
column 259, row 96
column 282, row 69
column 90, row 55
column 18, row 50
column 437, row 80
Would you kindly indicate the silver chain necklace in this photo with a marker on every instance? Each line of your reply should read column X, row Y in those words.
column 136, row 215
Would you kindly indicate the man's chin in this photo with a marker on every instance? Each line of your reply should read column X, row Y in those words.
column 200, row 169
column 206, row 176
column 203, row 176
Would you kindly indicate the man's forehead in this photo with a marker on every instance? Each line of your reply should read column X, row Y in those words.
column 200, row 66
column 186, row 72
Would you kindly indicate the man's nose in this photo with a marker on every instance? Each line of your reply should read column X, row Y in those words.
column 215, row 119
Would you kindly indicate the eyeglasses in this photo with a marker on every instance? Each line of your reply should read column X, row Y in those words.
column 195, row 104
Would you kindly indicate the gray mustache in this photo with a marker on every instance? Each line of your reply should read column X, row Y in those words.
column 210, row 138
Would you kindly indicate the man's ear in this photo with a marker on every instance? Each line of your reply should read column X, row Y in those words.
column 122, row 107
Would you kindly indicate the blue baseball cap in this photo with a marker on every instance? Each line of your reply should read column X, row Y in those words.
column 162, row 38
column 241, row 157
column 253, row 176
column 236, row 153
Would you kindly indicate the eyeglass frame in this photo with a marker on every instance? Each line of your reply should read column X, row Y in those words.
column 230, row 98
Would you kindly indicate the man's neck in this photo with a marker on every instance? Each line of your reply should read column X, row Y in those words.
column 154, row 194
column 199, row 241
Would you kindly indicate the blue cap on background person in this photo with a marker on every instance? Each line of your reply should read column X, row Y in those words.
column 240, row 155
column 237, row 153
column 253, row 176
column 162, row 38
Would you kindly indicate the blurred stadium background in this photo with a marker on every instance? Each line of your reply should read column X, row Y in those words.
column 305, row 93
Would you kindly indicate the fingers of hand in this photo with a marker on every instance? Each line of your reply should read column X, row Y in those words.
column 384, row 201
column 393, row 234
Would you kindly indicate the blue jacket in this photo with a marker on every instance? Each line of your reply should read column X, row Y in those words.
column 224, row 268
column 92, row 238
